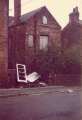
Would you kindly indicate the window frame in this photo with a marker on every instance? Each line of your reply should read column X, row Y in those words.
column 44, row 49
column 30, row 41
column 44, row 20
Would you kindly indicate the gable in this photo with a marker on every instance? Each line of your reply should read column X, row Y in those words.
column 43, row 11
column 51, row 20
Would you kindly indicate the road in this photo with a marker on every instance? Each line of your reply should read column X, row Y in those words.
column 46, row 106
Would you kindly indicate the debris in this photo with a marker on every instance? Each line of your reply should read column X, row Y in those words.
column 70, row 91
column 62, row 91
column 21, row 73
column 32, row 77
column 42, row 84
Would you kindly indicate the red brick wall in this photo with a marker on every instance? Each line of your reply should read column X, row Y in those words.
column 52, row 29
column 18, row 48
column 17, row 10
column 3, row 42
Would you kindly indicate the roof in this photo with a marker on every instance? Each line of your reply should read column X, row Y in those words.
column 26, row 16
column 68, row 26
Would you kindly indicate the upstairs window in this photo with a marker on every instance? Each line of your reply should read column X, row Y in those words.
column 30, row 40
column 44, row 43
column 44, row 20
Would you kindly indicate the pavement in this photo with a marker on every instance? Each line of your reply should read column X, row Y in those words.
column 41, row 103
column 38, row 90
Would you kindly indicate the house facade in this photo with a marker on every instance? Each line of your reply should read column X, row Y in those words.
column 30, row 36
column 71, row 33
column 71, row 45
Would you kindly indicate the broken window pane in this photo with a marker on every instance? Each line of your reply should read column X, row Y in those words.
column 30, row 41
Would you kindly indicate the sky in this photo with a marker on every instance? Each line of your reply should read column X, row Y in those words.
column 60, row 9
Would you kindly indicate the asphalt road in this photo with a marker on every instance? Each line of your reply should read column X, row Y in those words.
column 48, row 106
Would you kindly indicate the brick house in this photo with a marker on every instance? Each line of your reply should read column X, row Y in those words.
column 71, row 32
column 71, row 43
column 30, row 36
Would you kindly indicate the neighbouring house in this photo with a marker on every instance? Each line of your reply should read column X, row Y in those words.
column 31, row 36
column 71, row 44
column 72, row 31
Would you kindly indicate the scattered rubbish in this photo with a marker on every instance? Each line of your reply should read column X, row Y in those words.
column 32, row 77
column 42, row 84
column 70, row 91
column 62, row 91
column 22, row 75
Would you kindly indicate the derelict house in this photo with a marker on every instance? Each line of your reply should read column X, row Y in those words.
column 31, row 36
column 71, row 44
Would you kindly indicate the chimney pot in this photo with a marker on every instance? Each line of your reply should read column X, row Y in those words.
column 74, row 16
column 17, row 10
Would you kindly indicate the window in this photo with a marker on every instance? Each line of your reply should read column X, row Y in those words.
column 43, row 42
column 44, row 20
column 30, row 41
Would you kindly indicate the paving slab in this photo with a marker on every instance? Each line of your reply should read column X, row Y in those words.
column 38, row 90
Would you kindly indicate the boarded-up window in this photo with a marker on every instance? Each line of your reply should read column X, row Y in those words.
column 30, row 41
column 43, row 42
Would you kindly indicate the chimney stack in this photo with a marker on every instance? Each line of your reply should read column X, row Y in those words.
column 17, row 10
column 74, row 16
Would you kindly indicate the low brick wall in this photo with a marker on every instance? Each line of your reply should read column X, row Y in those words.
column 12, row 79
column 66, row 79
column 56, row 79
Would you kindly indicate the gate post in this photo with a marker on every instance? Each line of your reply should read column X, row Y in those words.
column 4, row 42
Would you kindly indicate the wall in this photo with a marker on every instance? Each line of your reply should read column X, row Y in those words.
column 37, row 28
column 19, row 49
column 3, row 43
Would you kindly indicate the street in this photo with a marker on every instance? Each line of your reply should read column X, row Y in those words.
column 44, row 106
